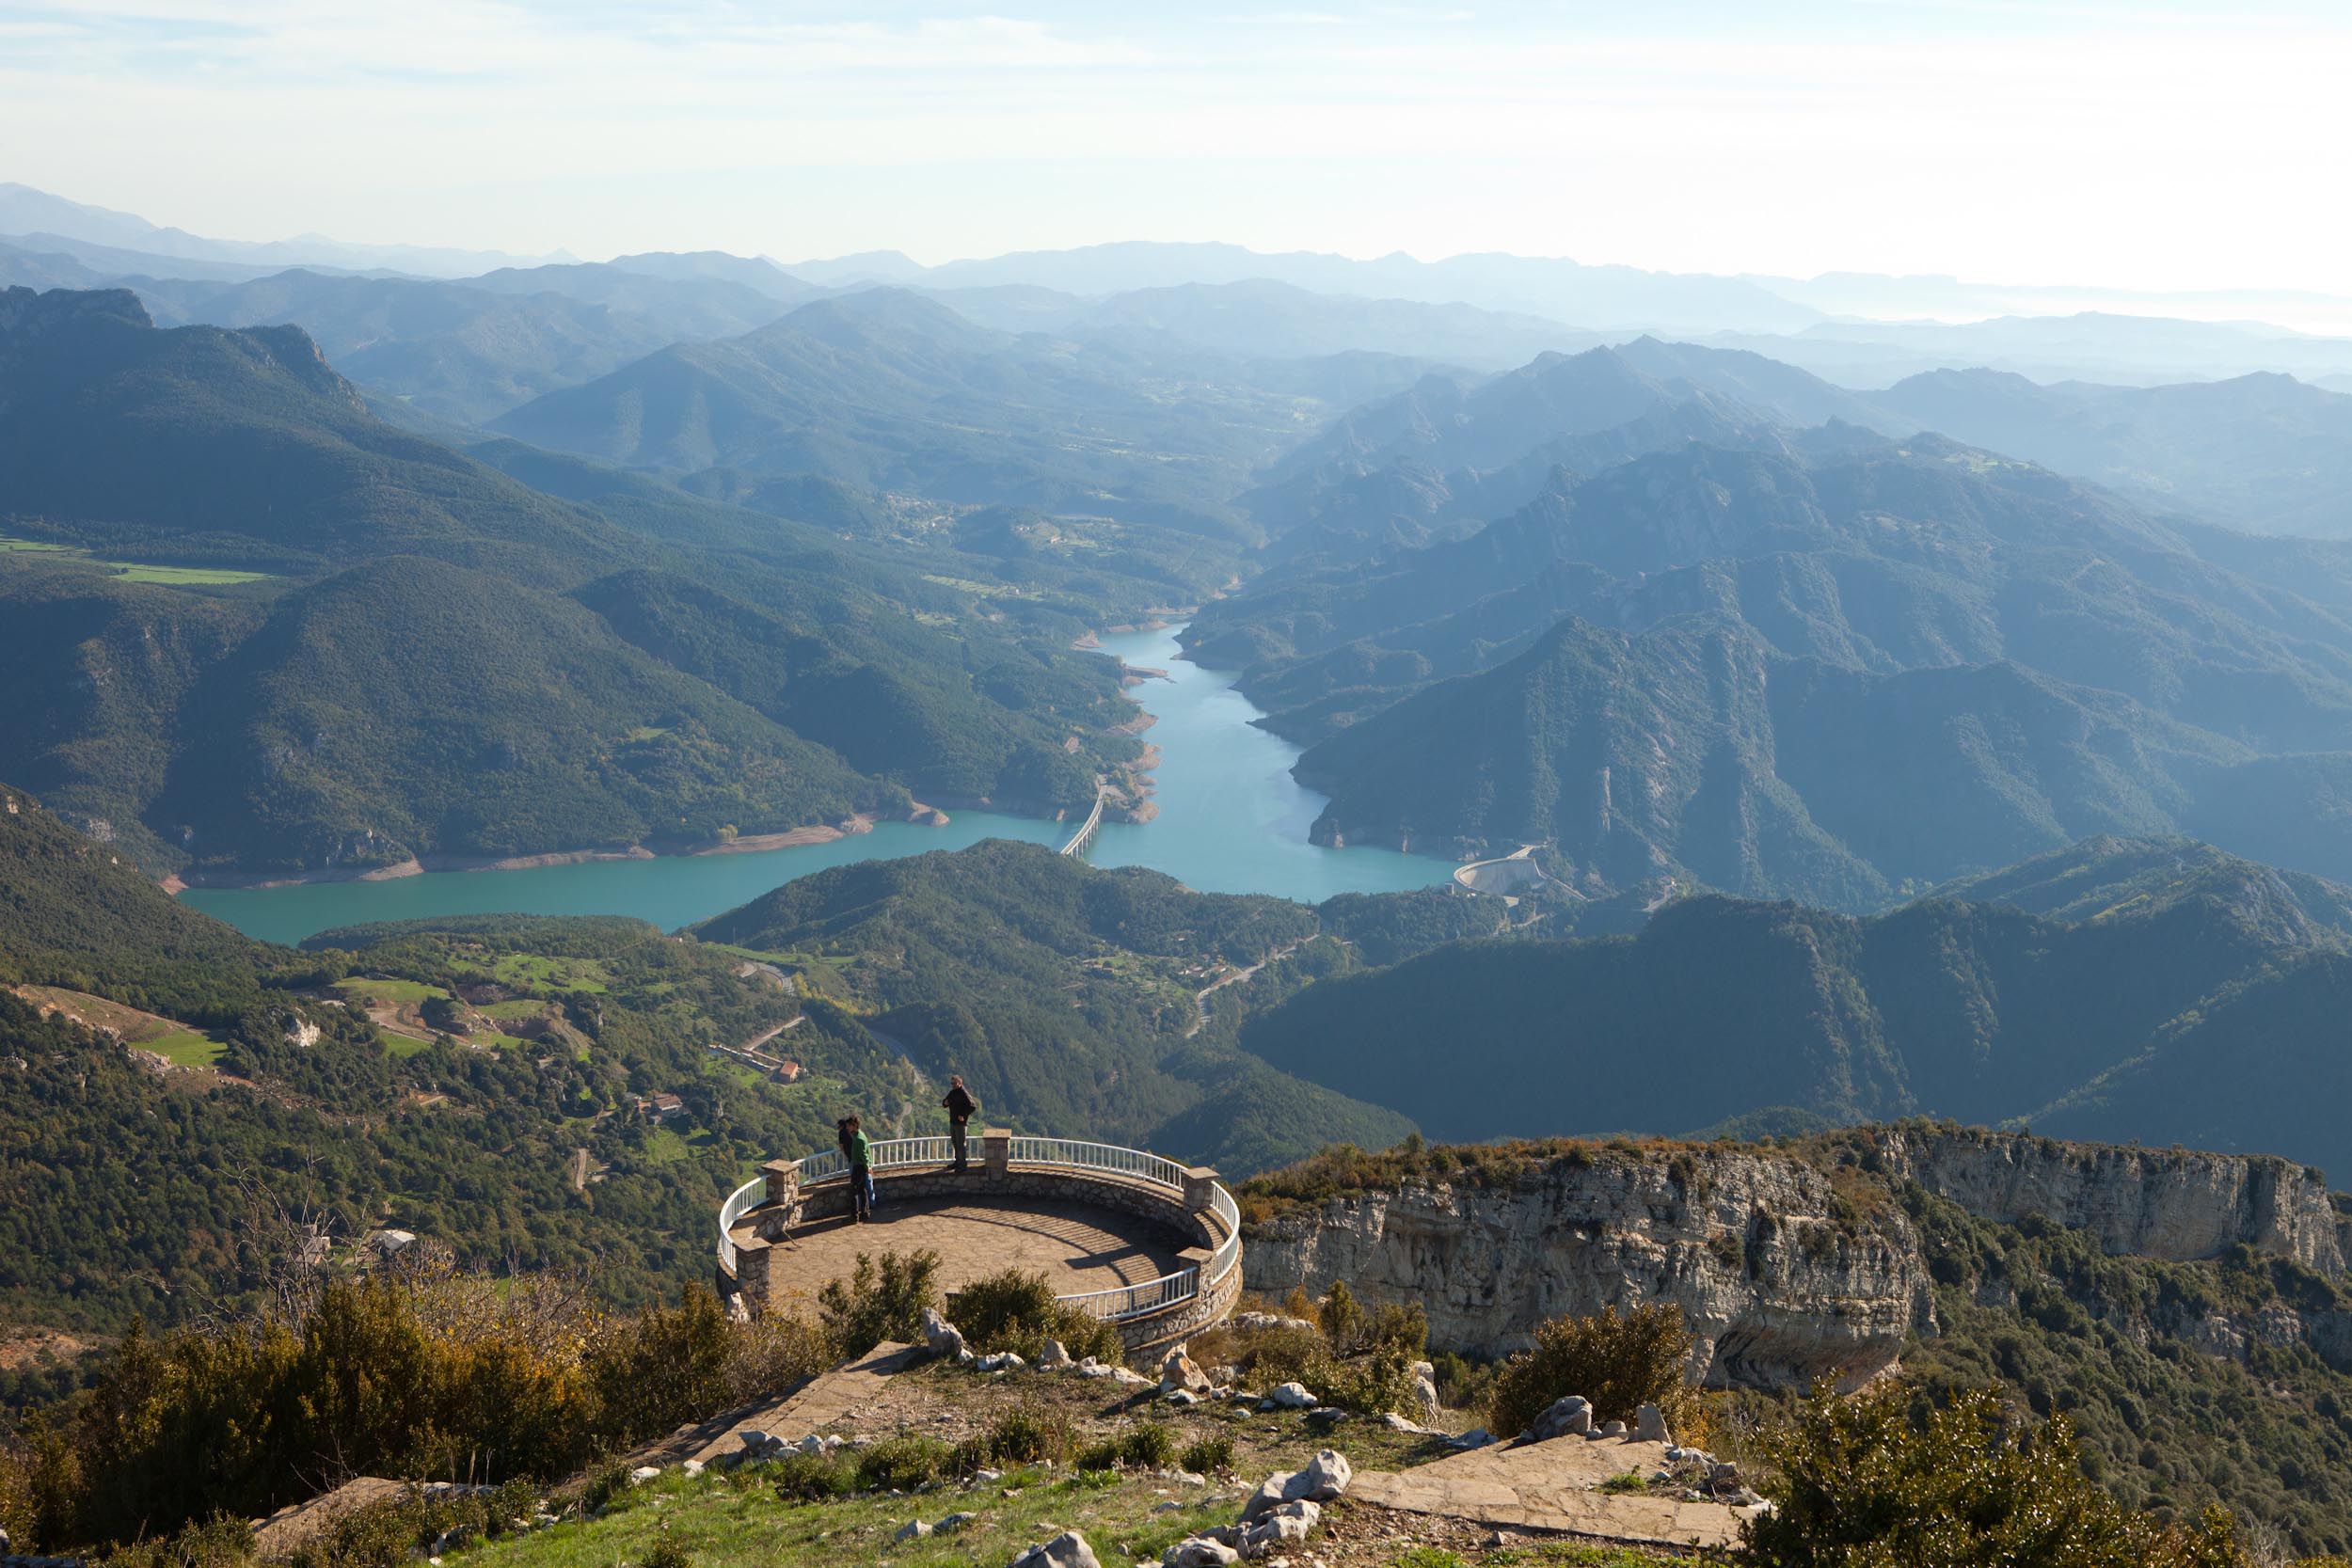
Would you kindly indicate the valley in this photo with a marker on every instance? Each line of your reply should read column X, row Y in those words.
column 1766, row 854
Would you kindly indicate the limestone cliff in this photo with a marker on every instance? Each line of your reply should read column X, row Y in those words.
column 1778, row 1290
column 1790, row 1264
column 2171, row 1204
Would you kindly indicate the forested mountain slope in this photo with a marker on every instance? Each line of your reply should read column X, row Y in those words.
column 1760, row 667
column 2195, row 1021
column 888, row 391
column 2263, row 451
column 405, row 679
column 1064, row 994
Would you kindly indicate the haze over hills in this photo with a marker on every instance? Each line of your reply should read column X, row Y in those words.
column 2198, row 1007
column 1762, row 668
column 415, row 682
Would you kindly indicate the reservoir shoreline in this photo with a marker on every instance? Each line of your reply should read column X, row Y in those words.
column 1224, row 814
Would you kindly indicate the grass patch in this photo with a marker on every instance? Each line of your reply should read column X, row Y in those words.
column 390, row 993
column 185, row 1048
column 184, row 577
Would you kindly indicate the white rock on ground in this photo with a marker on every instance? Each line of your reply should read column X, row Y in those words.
column 1325, row 1477
column 1199, row 1552
column 914, row 1529
column 1570, row 1413
column 1649, row 1425
column 643, row 1474
column 1291, row 1396
column 1054, row 1357
column 1179, row 1370
column 942, row 1337
column 1067, row 1550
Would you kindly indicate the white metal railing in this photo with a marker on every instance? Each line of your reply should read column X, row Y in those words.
column 1107, row 1157
column 740, row 1202
column 1121, row 1300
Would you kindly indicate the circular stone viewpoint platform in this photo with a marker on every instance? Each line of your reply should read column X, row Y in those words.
column 1142, row 1241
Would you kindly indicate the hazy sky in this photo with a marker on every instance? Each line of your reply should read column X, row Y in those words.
column 2147, row 145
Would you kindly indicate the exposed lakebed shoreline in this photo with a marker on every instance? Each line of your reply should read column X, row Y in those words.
column 1222, row 814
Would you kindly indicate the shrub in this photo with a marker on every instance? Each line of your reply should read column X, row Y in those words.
column 1343, row 1319
column 1015, row 1310
column 902, row 1464
column 1869, row 1479
column 1463, row 1384
column 774, row 1352
column 1399, row 1327
column 1029, row 1433
column 665, row 1552
column 1615, row 1360
column 1210, row 1456
column 879, row 1301
column 662, row 1368
column 1369, row 1385
column 812, row 1478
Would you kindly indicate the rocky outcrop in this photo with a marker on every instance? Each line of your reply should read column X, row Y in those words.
column 2166, row 1203
column 1785, row 1273
column 1777, row 1292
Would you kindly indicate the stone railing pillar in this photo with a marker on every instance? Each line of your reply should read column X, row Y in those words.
column 783, row 1181
column 996, row 1151
column 1200, row 1187
column 752, row 1274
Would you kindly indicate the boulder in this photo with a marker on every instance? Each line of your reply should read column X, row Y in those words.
column 1274, row 1532
column 942, row 1337
column 1649, row 1425
column 753, row 1439
column 1002, row 1361
column 1179, row 1370
column 1199, row 1552
column 645, row 1473
column 1395, row 1422
column 1291, row 1396
column 1425, row 1395
column 1181, row 1397
column 1130, row 1378
column 691, row 1468
column 1614, row 1429
column 914, row 1529
column 1054, row 1357
column 1067, row 1550
column 953, row 1523
column 1725, row 1478
column 1476, row 1438
column 1569, row 1413
column 1325, row 1477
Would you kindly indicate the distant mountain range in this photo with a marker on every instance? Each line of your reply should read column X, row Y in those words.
column 70, row 226
column 452, row 664
column 2201, row 1002
column 1829, row 672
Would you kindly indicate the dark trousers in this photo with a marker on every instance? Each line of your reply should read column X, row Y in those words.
column 862, row 1191
column 955, row 1141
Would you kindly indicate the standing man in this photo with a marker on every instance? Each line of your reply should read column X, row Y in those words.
column 960, row 1105
column 860, row 1149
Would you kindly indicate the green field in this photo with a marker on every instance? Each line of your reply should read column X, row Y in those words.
column 140, row 571
column 183, row 576
column 185, row 1048
column 388, row 993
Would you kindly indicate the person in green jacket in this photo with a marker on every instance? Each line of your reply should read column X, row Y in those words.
column 860, row 1150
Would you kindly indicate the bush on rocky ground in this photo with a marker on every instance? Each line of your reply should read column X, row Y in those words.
column 881, row 1300
column 1015, row 1310
column 1619, row 1361
column 1873, row 1480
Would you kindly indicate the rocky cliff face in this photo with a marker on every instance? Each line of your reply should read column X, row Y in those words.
column 1777, row 1290
column 2171, row 1204
column 1788, row 1269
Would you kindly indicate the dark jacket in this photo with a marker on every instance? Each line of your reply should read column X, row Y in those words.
column 960, row 1103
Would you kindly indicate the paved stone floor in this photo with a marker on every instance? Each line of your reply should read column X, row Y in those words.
column 1076, row 1246
column 1551, row 1486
